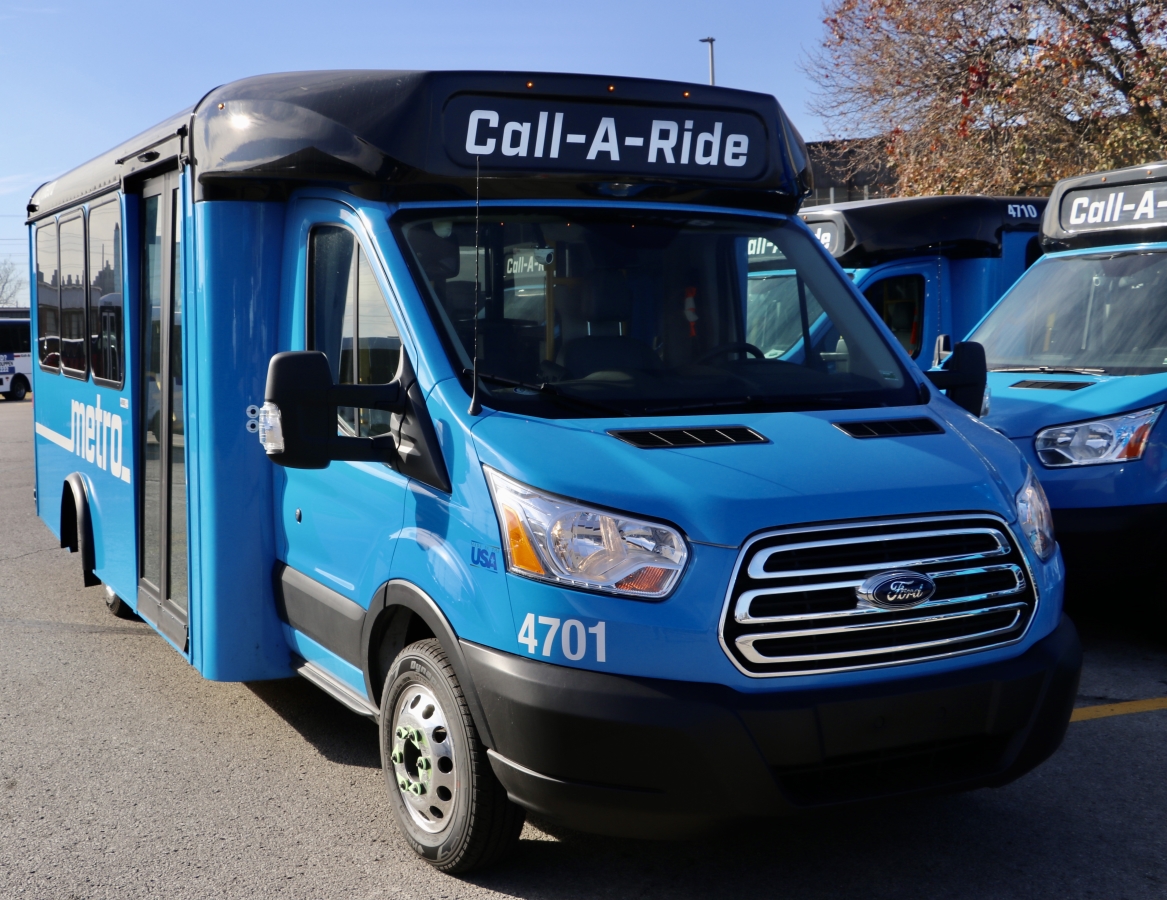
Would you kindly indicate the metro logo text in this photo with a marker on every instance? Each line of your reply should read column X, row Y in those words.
column 97, row 436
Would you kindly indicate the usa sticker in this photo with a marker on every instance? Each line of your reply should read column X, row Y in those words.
column 484, row 557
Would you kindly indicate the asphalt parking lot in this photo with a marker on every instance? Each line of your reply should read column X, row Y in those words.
column 124, row 774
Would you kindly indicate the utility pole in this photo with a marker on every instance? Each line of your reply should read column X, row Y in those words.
column 709, row 41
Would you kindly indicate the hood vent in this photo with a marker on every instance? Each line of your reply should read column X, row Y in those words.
column 662, row 438
column 890, row 428
column 1053, row 385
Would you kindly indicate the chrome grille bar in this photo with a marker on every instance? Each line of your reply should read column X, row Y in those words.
column 757, row 564
column 746, row 643
column 741, row 612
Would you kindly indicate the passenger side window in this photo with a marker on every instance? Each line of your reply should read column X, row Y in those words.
column 48, row 298
column 106, row 353
column 899, row 301
column 347, row 310
column 73, row 317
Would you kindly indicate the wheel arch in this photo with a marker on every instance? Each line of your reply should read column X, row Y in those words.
column 400, row 614
column 76, row 525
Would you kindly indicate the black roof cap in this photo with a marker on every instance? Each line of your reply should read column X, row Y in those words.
column 863, row 233
column 1123, row 206
column 416, row 135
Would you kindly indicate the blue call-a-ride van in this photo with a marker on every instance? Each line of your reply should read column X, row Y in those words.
column 447, row 392
column 931, row 267
column 1077, row 353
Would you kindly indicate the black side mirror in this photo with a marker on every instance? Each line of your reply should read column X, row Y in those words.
column 298, row 422
column 964, row 377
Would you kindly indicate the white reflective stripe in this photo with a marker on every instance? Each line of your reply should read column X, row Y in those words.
column 59, row 439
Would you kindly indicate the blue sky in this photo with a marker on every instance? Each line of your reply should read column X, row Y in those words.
column 76, row 78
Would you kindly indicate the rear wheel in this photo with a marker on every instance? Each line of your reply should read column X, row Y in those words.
column 117, row 605
column 449, row 805
column 18, row 390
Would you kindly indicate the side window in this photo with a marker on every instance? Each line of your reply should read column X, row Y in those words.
column 349, row 321
column 106, row 353
column 8, row 338
column 74, row 339
column 48, row 298
column 899, row 300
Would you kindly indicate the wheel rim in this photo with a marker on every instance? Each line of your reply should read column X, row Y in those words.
column 423, row 759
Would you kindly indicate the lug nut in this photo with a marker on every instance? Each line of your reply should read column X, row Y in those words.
column 417, row 788
column 402, row 732
column 424, row 763
column 398, row 756
column 403, row 783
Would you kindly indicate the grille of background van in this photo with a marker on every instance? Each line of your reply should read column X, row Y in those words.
column 792, row 606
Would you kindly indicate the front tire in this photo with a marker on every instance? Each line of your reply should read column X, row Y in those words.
column 449, row 805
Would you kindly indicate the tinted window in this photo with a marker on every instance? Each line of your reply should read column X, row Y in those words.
column 73, row 318
column 899, row 300
column 48, row 299
column 648, row 313
column 345, row 309
column 106, row 354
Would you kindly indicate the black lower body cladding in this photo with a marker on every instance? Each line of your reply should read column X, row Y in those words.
column 637, row 757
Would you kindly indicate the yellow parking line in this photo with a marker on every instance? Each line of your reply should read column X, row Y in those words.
column 1117, row 709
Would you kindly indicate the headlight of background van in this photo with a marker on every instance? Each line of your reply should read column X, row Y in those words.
column 553, row 539
column 1116, row 439
column 1034, row 517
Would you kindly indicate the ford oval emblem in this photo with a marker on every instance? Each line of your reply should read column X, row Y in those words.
column 896, row 590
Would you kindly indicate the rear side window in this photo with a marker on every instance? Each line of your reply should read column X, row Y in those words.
column 899, row 300
column 347, row 312
column 48, row 298
column 106, row 353
column 74, row 339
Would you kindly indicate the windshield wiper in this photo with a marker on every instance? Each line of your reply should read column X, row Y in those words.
column 1053, row 370
column 549, row 390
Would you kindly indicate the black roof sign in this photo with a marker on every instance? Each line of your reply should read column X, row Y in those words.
column 863, row 233
column 423, row 135
column 1118, row 207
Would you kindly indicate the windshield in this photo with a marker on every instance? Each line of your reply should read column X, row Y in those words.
column 1104, row 312
column 597, row 312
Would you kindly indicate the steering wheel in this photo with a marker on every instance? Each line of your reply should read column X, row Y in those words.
column 730, row 347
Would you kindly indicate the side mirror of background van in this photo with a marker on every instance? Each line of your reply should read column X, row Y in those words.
column 943, row 350
column 964, row 377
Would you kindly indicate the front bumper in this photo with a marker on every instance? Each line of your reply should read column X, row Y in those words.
column 637, row 757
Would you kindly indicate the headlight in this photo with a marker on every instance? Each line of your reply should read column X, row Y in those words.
column 558, row 540
column 1116, row 439
column 1034, row 517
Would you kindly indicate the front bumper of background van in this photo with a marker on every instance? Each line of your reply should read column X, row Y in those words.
column 637, row 757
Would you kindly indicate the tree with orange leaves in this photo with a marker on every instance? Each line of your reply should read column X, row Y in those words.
column 995, row 96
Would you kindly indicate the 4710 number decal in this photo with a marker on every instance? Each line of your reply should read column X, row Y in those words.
column 575, row 640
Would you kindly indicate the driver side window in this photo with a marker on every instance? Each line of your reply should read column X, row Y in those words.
column 349, row 321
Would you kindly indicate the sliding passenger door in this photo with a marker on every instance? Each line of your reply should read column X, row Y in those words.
column 162, row 581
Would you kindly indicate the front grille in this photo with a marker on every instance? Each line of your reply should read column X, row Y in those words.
column 793, row 609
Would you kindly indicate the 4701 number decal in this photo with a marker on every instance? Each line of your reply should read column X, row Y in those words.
column 574, row 639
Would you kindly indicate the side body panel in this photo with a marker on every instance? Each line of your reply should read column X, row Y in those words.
column 90, row 429
column 235, row 630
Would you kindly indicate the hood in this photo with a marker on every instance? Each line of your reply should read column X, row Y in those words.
column 809, row 471
column 1020, row 412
